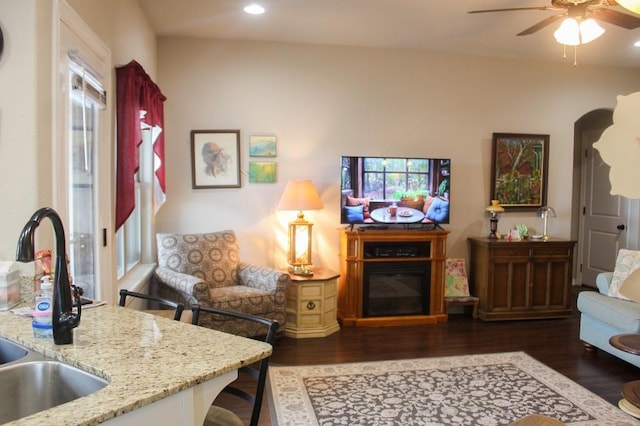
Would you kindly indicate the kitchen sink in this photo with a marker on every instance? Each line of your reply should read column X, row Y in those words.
column 10, row 352
column 37, row 383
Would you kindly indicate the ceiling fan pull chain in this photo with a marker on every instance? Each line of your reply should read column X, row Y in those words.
column 575, row 56
column 564, row 51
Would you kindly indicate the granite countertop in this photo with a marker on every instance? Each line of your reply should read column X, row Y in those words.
column 144, row 357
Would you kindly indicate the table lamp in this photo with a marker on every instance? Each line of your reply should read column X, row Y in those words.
column 300, row 195
column 494, row 209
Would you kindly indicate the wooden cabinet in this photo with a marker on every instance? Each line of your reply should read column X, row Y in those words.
column 312, row 305
column 521, row 279
column 404, row 250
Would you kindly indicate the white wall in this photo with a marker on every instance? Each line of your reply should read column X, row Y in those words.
column 25, row 116
column 323, row 102
column 26, row 132
column 122, row 26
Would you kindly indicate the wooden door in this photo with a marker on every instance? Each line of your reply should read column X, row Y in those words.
column 603, row 223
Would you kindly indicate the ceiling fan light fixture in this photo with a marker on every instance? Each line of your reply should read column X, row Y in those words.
column 590, row 30
column 572, row 33
column 568, row 33
column 632, row 5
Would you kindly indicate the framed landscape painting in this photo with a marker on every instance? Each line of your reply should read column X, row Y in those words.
column 519, row 169
column 262, row 171
column 262, row 146
column 215, row 158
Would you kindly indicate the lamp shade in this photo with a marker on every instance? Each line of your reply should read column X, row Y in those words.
column 495, row 207
column 632, row 5
column 300, row 195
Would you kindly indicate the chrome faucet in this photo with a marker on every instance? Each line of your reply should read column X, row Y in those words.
column 63, row 319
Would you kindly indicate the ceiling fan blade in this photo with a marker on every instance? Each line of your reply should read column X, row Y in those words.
column 616, row 18
column 515, row 8
column 540, row 25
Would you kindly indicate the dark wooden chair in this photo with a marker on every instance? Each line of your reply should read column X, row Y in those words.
column 221, row 416
column 175, row 313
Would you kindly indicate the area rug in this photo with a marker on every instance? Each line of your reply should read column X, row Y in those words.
column 486, row 390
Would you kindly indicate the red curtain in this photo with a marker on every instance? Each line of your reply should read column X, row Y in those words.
column 135, row 92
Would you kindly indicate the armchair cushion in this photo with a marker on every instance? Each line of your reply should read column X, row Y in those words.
column 212, row 257
column 455, row 278
column 627, row 261
column 603, row 281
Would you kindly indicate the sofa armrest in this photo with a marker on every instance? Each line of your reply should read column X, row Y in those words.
column 263, row 277
column 191, row 288
column 603, row 281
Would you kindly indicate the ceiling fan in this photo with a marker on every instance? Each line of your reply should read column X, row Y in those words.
column 579, row 10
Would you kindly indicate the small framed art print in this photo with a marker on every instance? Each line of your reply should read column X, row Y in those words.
column 215, row 158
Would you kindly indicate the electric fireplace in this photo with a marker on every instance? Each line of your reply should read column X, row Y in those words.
column 396, row 288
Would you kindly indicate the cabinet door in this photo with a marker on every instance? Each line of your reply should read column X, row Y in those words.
column 510, row 278
column 550, row 283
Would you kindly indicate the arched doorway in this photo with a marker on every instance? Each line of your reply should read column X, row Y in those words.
column 599, row 219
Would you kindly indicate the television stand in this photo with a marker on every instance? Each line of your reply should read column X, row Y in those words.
column 376, row 253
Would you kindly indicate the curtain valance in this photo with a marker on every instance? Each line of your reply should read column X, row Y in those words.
column 135, row 92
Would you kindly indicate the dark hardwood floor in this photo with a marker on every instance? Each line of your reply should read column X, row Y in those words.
column 552, row 342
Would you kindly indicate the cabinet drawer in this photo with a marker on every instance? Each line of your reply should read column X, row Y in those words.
column 330, row 288
column 551, row 251
column 309, row 306
column 311, row 320
column 310, row 291
column 510, row 251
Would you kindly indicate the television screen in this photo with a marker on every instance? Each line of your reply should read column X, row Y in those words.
column 395, row 190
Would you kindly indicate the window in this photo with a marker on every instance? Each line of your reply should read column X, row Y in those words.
column 81, row 153
column 130, row 236
column 129, row 239
column 383, row 177
column 140, row 172
column 86, row 99
column 346, row 173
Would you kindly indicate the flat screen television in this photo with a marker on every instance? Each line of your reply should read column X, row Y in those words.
column 394, row 190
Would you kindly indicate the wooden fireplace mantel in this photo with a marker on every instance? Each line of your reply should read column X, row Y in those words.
column 353, row 259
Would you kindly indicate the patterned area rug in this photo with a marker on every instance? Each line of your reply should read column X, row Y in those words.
column 486, row 390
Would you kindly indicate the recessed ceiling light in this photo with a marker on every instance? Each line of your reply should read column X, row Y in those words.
column 254, row 9
column 637, row 43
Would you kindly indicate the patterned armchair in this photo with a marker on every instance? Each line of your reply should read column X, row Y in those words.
column 204, row 269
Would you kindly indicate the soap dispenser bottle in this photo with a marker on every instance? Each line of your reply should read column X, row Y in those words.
column 42, row 324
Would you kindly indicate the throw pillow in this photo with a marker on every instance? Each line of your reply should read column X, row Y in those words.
column 630, row 288
column 427, row 203
column 439, row 210
column 364, row 202
column 455, row 279
column 355, row 214
column 626, row 262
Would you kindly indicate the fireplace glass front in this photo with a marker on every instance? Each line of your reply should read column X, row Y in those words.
column 396, row 288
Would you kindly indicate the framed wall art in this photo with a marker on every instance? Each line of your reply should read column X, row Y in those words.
column 215, row 159
column 262, row 146
column 262, row 171
column 519, row 170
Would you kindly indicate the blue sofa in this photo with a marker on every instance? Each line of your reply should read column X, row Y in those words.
column 602, row 316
